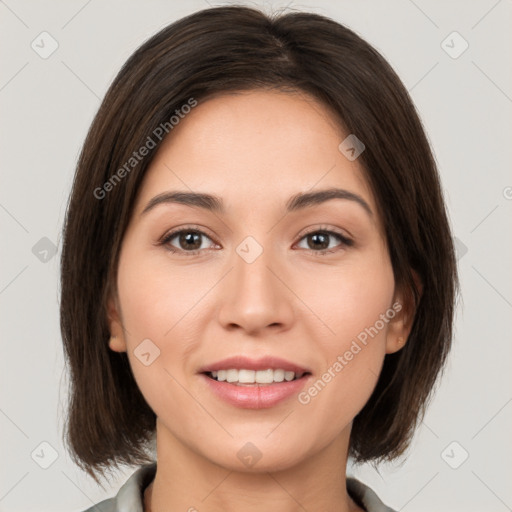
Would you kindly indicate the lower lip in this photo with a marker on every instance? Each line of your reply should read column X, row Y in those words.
column 256, row 396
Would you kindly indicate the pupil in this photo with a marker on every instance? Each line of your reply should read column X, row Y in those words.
column 323, row 236
column 188, row 239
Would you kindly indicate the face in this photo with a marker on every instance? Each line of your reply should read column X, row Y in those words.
column 308, row 288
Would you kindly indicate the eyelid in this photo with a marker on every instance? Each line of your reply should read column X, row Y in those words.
column 164, row 239
column 344, row 234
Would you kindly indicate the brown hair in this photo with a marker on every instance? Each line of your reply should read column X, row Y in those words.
column 238, row 48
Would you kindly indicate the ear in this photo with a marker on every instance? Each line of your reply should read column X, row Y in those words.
column 117, row 341
column 400, row 325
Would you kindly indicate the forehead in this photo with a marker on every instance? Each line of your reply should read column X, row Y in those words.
column 254, row 148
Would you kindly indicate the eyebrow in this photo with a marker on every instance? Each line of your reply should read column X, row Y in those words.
column 215, row 204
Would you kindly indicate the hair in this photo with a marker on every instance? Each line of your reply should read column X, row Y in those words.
column 234, row 49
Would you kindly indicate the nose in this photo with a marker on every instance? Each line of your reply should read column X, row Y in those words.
column 255, row 295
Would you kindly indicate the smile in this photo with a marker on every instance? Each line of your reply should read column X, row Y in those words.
column 254, row 395
column 244, row 377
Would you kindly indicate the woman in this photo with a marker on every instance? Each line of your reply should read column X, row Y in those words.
column 257, row 273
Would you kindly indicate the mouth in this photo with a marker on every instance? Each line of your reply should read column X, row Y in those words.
column 255, row 378
column 265, row 385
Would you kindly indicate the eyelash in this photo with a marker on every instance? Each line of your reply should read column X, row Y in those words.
column 166, row 239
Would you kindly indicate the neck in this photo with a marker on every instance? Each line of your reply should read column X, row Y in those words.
column 185, row 480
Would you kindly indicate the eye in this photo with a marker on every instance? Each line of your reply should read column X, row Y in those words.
column 318, row 241
column 189, row 241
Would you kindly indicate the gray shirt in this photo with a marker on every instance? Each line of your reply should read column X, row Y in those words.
column 130, row 496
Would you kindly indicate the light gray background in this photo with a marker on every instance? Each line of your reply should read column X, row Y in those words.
column 465, row 104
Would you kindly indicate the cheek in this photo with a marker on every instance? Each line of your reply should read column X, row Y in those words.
column 157, row 309
column 353, row 361
column 351, row 298
column 356, row 305
column 156, row 300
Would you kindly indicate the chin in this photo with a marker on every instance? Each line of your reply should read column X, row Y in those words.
column 257, row 454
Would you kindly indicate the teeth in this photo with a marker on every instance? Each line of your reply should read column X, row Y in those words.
column 243, row 376
column 279, row 375
column 289, row 375
column 231, row 375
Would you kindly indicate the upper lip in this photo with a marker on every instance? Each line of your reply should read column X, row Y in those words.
column 263, row 363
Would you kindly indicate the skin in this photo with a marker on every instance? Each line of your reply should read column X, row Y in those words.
column 255, row 150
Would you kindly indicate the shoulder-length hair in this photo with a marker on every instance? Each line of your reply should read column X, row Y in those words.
column 237, row 48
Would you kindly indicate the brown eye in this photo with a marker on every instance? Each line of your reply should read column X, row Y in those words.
column 319, row 241
column 187, row 241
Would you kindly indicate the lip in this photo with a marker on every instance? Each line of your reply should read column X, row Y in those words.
column 263, row 363
column 255, row 396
